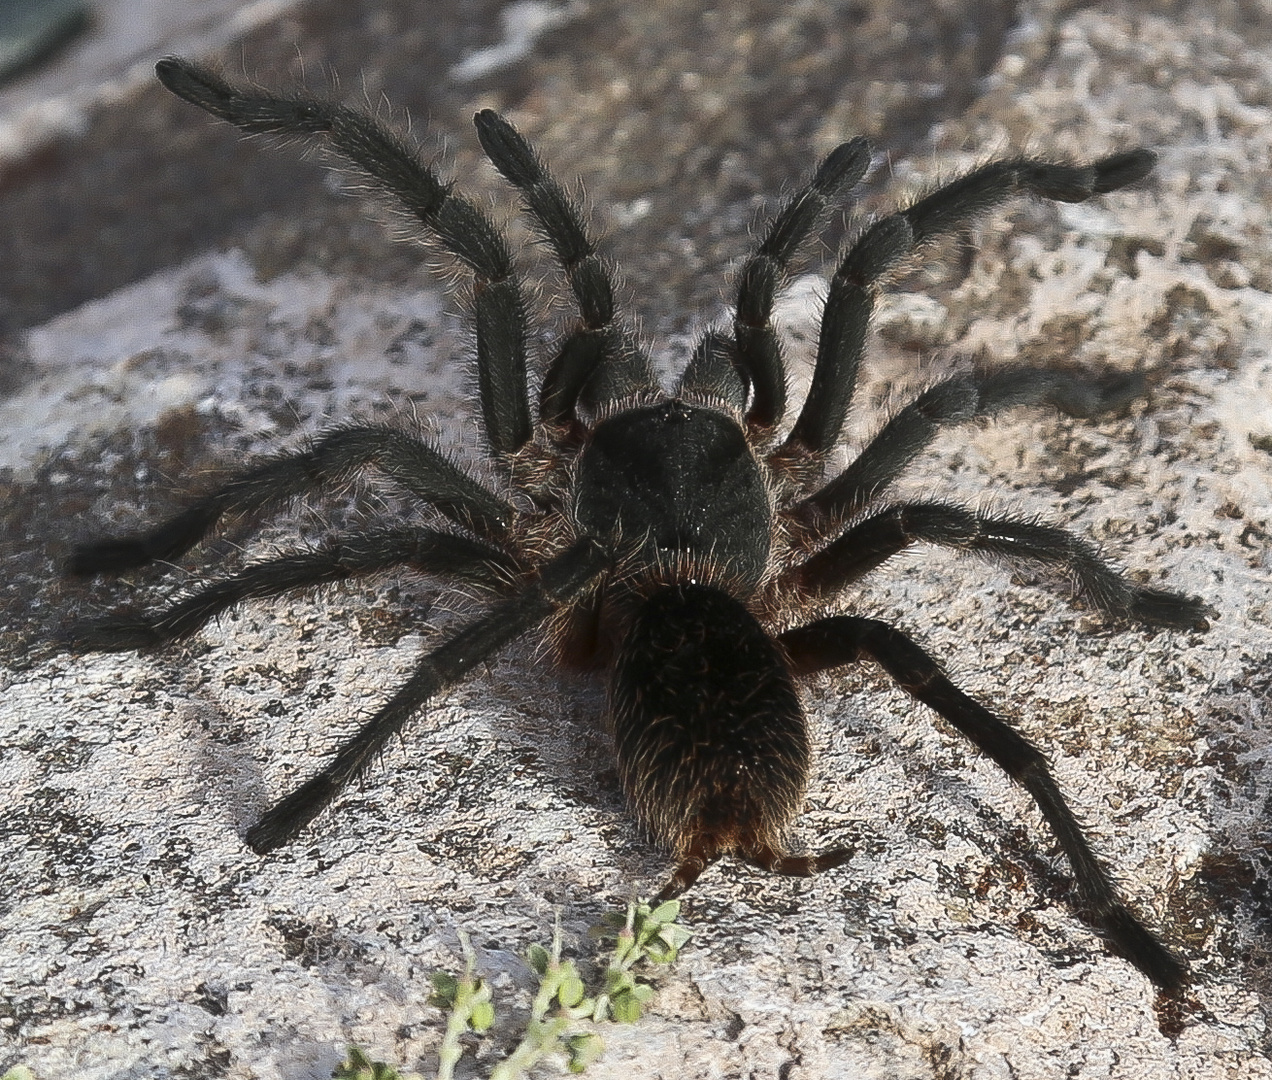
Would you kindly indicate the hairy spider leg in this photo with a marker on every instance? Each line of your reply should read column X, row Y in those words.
column 599, row 360
column 759, row 354
column 562, row 580
column 875, row 539
column 445, row 555
column 713, row 376
column 840, row 640
column 459, row 226
column 724, row 369
column 891, row 240
column 411, row 464
column 954, row 401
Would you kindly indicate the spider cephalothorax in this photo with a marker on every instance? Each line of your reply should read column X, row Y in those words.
column 664, row 535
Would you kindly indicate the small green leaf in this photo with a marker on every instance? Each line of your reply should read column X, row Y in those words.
column 626, row 1008
column 481, row 1016
column 356, row 1066
column 675, row 936
column 618, row 981
column 571, row 991
column 665, row 912
column 538, row 958
column 445, row 990
column 583, row 1050
column 657, row 952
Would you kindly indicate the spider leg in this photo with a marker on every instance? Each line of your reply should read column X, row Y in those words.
column 770, row 859
column 891, row 240
column 759, row 355
column 875, row 539
column 561, row 580
column 776, row 861
column 460, row 227
column 688, row 871
column 843, row 640
column 429, row 550
column 955, row 401
column 714, row 373
column 411, row 464
column 599, row 356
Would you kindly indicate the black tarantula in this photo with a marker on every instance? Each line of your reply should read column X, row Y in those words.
column 663, row 535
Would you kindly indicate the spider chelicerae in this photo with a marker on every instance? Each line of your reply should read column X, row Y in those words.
column 666, row 536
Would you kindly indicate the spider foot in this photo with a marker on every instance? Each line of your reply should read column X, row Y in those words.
column 1158, row 607
column 116, row 634
column 107, row 557
column 1134, row 942
column 168, row 540
column 286, row 819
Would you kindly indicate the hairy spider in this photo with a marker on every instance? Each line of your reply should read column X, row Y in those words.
column 664, row 535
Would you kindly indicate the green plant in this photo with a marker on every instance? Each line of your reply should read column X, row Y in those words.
column 563, row 1013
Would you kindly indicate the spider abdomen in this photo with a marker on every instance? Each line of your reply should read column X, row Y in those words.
column 681, row 481
column 710, row 737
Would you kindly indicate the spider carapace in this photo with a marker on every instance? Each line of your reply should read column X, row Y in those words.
column 667, row 536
